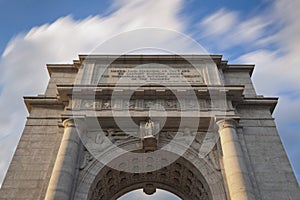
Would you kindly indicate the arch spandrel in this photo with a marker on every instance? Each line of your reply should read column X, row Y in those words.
column 189, row 177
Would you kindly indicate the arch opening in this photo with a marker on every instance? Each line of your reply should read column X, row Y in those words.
column 140, row 194
column 180, row 178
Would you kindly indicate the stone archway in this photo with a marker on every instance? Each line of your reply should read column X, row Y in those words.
column 179, row 178
column 140, row 194
column 189, row 177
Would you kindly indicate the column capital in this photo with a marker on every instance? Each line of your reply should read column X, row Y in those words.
column 68, row 123
column 226, row 123
column 73, row 121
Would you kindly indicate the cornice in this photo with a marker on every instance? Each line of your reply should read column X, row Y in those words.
column 270, row 102
column 40, row 101
column 139, row 58
column 239, row 68
column 61, row 68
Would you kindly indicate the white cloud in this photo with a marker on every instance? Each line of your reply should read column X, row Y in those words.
column 277, row 73
column 231, row 31
column 219, row 22
column 22, row 64
column 271, row 42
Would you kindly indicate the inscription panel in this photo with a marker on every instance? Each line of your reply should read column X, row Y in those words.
column 148, row 74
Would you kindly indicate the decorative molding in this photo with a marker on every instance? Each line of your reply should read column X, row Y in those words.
column 226, row 123
column 68, row 123
column 184, row 179
column 213, row 158
column 147, row 104
column 86, row 159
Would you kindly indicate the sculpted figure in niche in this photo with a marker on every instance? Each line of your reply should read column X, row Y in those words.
column 149, row 126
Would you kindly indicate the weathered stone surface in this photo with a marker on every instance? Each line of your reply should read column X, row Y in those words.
column 248, row 162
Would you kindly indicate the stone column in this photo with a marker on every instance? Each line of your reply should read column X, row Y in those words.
column 64, row 170
column 237, row 177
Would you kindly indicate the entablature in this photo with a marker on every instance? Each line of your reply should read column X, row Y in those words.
column 269, row 102
column 229, row 92
column 40, row 100
column 239, row 68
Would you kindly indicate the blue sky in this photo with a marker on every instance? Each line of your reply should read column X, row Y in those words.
column 264, row 32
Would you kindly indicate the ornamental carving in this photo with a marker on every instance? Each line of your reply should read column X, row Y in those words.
column 213, row 158
column 76, row 104
column 106, row 104
column 98, row 104
column 146, row 104
column 183, row 178
column 171, row 104
column 86, row 159
column 87, row 104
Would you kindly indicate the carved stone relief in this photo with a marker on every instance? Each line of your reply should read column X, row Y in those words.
column 86, row 159
column 117, row 104
column 149, row 104
column 76, row 104
column 146, row 104
column 213, row 158
column 171, row 104
column 106, row 104
column 177, row 175
column 98, row 104
column 117, row 136
column 87, row 104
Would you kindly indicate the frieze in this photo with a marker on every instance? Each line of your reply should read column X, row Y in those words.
column 98, row 104
column 147, row 104
column 87, row 104
column 106, row 104
column 76, row 104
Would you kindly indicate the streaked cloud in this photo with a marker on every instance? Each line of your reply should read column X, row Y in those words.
column 270, row 40
column 277, row 74
column 231, row 30
column 22, row 64
column 277, row 71
column 219, row 22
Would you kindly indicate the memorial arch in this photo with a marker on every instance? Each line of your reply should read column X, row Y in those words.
column 180, row 178
column 192, row 125
column 194, row 179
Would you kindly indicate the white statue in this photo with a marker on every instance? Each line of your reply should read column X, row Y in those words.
column 149, row 126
